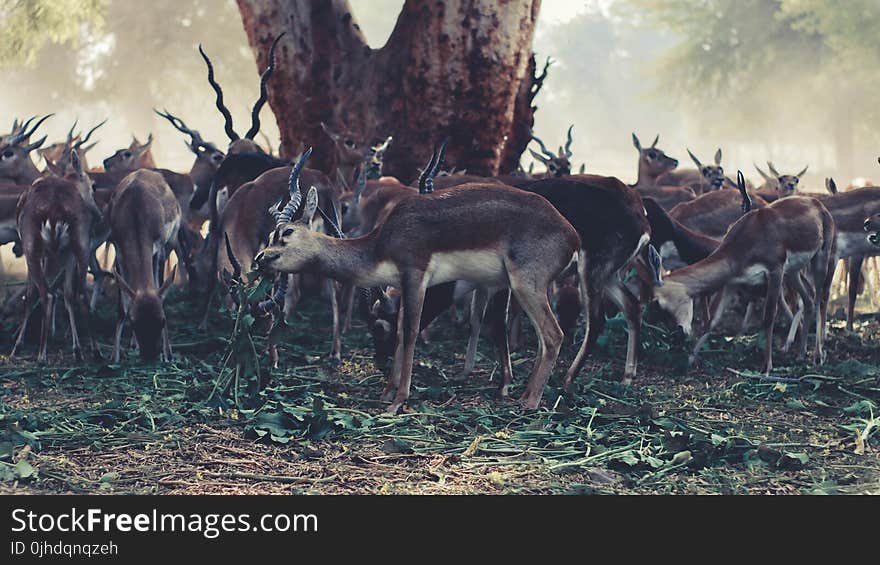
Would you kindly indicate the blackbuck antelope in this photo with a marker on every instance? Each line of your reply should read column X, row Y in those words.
column 352, row 152
column 136, row 156
column 558, row 164
column 54, row 221
column 769, row 245
column 59, row 153
column 16, row 166
column 203, row 170
column 778, row 185
column 711, row 214
column 654, row 164
column 490, row 235
column 246, row 144
column 712, row 175
column 246, row 221
column 850, row 209
column 613, row 228
column 144, row 222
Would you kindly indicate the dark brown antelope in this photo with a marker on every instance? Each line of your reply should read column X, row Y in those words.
column 711, row 214
column 558, row 164
column 490, row 235
column 144, row 222
column 16, row 166
column 58, row 155
column 246, row 144
column 849, row 209
column 769, row 245
column 54, row 221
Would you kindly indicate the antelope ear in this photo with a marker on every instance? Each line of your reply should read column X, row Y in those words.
column 149, row 142
column 656, row 139
column 123, row 286
column 53, row 167
column 831, row 186
column 636, row 143
column 802, row 173
column 718, row 157
column 539, row 157
column 763, row 174
column 166, row 286
column 311, row 205
column 328, row 131
column 695, row 160
column 75, row 162
column 773, row 169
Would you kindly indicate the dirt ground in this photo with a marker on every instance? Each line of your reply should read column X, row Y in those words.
column 318, row 427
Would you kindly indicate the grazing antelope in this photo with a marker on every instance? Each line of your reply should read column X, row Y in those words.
column 769, row 245
column 144, row 222
column 237, row 144
column 558, row 164
column 54, row 221
column 490, row 235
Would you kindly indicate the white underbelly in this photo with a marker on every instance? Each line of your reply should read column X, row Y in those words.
column 671, row 259
column 850, row 244
column 485, row 268
column 753, row 275
column 798, row 260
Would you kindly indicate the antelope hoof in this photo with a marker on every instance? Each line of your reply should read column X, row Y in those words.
column 77, row 354
column 394, row 409
column 568, row 384
column 388, row 394
column 504, row 391
column 627, row 380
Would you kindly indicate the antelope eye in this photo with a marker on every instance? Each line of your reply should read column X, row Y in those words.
column 8, row 154
column 350, row 143
column 127, row 154
column 552, row 167
column 217, row 157
column 287, row 232
column 652, row 154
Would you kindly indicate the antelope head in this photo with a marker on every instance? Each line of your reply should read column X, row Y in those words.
column 786, row 185
column 653, row 161
column 208, row 156
column 237, row 144
column 872, row 226
column 59, row 162
column 293, row 245
column 135, row 156
column 353, row 150
column 147, row 314
column 713, row 175
column 73, row 170
column 15, row 153
column 558, row 165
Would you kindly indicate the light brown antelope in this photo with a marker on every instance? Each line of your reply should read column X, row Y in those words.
column 58, row 155
column 490, row 235
column 136, row 156
column 558, row 164
column 144, row 222
column 352, row 152
column 768, row 245
column 54, row 221
column 712, row 175
column 246, row 144
column 653, row 164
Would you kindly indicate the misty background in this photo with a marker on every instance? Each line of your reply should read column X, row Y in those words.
column 792, row 81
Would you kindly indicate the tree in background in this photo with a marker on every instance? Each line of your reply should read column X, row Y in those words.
column 781, row 63
column 457, row 69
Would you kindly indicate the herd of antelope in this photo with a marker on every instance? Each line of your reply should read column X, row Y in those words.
column 553, row 246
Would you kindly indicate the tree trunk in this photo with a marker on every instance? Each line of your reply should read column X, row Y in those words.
column 459, row 68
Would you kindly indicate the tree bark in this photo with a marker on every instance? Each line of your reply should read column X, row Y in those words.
column 460, row 69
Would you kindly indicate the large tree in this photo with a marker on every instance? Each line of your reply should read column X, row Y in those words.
column 460, row 69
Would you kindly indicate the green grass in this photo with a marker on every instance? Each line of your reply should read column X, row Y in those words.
column 318, row 427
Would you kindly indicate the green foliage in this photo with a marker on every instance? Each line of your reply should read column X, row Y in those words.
column 27, row 25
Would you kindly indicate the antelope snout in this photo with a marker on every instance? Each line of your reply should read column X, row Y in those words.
column 868, row 224
column 263, row 260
